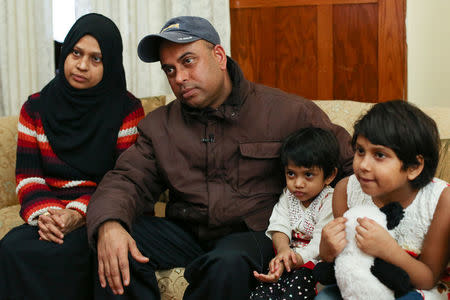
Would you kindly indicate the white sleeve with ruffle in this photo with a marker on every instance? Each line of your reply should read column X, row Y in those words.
column 279, row 220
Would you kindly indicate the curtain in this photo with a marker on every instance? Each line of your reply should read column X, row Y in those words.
column 26, row 51
column 138, row 18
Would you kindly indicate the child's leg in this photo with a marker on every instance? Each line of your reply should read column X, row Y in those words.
column 413, row 295
column 329, row 292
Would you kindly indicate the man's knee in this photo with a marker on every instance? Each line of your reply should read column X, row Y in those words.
column 229, row 258
column 225, row 262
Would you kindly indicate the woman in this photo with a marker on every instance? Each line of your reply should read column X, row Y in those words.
column 70, row 135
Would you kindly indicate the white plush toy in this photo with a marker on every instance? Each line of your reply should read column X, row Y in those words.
column 352, row 266
column 359, row 275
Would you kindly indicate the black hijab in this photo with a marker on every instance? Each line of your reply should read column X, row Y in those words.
column 82, row 124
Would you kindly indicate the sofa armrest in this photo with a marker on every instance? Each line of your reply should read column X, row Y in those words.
column 8, row 146
column 443, row 170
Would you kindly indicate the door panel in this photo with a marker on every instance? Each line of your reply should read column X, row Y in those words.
column 323, row 49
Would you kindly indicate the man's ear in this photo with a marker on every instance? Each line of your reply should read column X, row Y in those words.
column 330, row 178
column 221, row 56
column 415, row 170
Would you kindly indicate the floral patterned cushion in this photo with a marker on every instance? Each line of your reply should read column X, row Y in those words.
column 443, row 170
column 9, row 218
column 171, row 283
column 8, row 146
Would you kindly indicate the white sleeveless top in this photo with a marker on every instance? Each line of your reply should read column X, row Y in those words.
column 412, row 229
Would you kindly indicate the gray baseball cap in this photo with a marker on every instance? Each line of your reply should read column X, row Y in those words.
column 181, row 30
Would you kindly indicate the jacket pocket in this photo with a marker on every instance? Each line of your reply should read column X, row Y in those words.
column 259, row 170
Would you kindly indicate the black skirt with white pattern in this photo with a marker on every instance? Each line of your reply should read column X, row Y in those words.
column 297, row 284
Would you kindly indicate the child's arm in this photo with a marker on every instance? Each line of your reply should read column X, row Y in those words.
column 333, row 239
column 279, row 231
column 425, row 271
column 280, row 261
column 285, row 255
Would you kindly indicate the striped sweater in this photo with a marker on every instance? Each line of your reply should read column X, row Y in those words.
column 43, row 180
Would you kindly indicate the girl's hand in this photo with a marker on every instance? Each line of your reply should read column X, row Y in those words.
column 333, row 240
column 373, row 239
column 276, row 269
column 288, row 258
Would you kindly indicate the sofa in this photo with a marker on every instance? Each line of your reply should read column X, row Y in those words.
column 171, row 282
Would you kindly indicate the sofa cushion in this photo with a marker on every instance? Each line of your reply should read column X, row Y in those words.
column 343, row 114
column 9, row 218
column 443, row 170
column 8, row 146
column 171, row 283
column 151, row 103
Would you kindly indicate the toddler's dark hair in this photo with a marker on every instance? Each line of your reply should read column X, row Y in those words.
column 408, row 131
column 312, row 147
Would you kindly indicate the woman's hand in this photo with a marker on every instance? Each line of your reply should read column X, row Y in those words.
column 49, row 230
column 54, row 224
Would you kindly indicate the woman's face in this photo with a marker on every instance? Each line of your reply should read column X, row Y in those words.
column 83, row 67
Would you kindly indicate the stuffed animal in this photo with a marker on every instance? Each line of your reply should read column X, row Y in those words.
column 359, row 275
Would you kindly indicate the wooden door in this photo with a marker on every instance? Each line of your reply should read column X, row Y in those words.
column 323, row 49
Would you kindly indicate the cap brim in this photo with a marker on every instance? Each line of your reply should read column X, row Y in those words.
column 148, row 48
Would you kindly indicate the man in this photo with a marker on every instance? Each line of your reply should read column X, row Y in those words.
column 216, row 149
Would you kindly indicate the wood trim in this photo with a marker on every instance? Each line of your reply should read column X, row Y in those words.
column 325, row 52
column 283, row 3
column 392, row 65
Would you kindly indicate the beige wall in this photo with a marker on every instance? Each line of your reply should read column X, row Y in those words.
column 428, row 38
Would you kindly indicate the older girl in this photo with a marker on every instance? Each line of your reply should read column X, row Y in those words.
column 396, row 155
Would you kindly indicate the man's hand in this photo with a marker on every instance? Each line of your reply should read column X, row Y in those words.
column 113, row 245
column 333, row 239
column 54, row 224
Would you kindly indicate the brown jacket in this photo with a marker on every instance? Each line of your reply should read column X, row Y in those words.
column 221, row 166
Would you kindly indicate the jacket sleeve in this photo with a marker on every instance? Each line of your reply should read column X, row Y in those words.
column 325, row 214
column 128, row 189
column 35, row 196
column 279, row 220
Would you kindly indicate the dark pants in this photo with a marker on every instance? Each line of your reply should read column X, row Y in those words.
column 34, row 269
column 218, row 269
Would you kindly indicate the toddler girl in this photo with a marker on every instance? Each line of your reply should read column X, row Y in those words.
column 310, row 159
